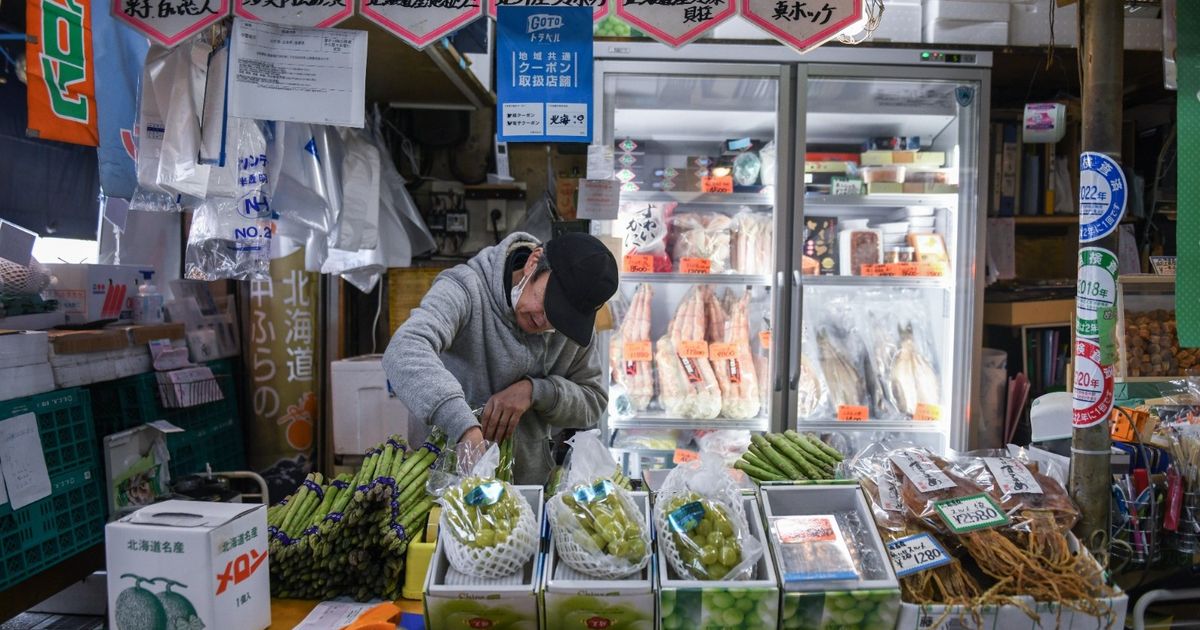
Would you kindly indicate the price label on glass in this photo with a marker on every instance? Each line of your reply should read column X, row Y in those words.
column 637, row 351
column 692, row 349
column 852, row 413
column 695, row 265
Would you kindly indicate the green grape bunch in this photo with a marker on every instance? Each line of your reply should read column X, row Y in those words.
column 481, row 512
column 612, row 526
column 704, row 535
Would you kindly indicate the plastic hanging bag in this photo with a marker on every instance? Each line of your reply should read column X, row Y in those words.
column 1021, row 490
column 420, row 240
column 701, row 236
column 358, row 224
column 632, row 374
column 294, row 170
column 597, row 527
column 179, row 167
column 231, row 237
column 492, row 531
column 688, row 386
column 701, row 523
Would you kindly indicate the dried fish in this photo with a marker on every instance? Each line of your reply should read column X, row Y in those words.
column 845, row 383
column 913, row 379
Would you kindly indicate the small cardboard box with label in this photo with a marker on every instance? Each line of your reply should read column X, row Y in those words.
column 181, row 564
column 93, row 293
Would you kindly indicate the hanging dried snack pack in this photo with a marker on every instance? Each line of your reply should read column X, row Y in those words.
column 702, row 525
column 597, row 527
column 492, row 528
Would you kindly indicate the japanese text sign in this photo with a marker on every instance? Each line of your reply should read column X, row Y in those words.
column 169, row 22
column 675, row 22
column 599, row 7
column 318, row 13
column 803, row 24
column 62, row 80
column 544, row 74
column 421, row 22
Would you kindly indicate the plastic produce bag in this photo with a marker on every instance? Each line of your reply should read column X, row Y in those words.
column 179, row 167
column 728, row 443
column 767, row 155
column 703, row 235
column 597, row 527
column 645, row 232
column 702, row 525
column 231, row 237
column 392, row 191
column 689, row 388
column 297, row 181
column 633, row 374
column 492, row 531
column 358, row 224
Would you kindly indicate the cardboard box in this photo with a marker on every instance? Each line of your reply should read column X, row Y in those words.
column 93, row 293
column 143, row 334
column 874, row 595
column 23, row 347
column 210, row 557
column 365, row 410
column 685, row 603
column 87, row 341
column 454, row 600
column 577, row 601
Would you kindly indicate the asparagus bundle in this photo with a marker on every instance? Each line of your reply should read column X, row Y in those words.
column 347, row 536
column 789, row 456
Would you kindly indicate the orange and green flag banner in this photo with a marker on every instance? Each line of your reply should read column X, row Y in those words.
column 62, row 79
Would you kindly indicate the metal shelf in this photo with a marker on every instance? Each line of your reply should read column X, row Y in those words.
column 658, row 420
column 909, row 426
column 939, row 282
column 880, row 201
column 697, row 278
column 681, row 196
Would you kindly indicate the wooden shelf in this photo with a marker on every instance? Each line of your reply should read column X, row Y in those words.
column 1032, row 313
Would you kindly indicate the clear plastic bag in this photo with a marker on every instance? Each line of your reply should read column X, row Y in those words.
column 768, row 156
column 634, row 374
column 1024, row 493
column 701, row 523
column 840, row 355
column 689, row 388
column 702, row 235
column 753, row 245
column 729, row 444
column 597, row 527
column 179, row 168
column 731, row 354
column 645, row 227
column 297, row 182
column 358, row 223
column 903, row 368
column 492, row 529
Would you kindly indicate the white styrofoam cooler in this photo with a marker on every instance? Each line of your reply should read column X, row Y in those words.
column 365, row 413
column 963, row 10
column 901, row 22
column 980, row 22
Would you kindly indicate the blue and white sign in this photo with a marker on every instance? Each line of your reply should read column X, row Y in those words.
column 1102, row 194
column 916, row 553
column 544, row 74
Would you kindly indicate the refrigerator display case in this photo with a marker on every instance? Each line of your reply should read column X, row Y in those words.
column 799, row 242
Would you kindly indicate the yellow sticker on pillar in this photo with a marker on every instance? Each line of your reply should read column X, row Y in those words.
column 282, row 372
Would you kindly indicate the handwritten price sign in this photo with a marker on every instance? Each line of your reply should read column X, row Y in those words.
column 852, row 413
column 695, row 265
column 967, row 514
column 913, row 554
column 639, row 263
column 637, row 351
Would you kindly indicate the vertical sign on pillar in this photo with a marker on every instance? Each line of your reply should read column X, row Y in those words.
column 319, row 14
column 544, row 74
column 803, row 25
column 282, row 373
column 1102, row 194
column 599, row 7
column 421, row 22
column 675, row 22
column 169, row 22
column 61, row 73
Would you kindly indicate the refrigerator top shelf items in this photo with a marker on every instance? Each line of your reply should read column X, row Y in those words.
column 690, row 197
column 698, row 278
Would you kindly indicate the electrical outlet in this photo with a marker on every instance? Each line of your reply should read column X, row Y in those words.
column 457, row 222
column 497, row 214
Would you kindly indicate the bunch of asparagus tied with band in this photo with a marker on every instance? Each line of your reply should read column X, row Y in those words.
column 347, row 536
column 789, row 456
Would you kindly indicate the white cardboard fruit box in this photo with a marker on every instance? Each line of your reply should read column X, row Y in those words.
column 577, row 601
column 453, row 599
column 206, row 563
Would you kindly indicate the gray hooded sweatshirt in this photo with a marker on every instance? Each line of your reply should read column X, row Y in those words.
column 462, row 345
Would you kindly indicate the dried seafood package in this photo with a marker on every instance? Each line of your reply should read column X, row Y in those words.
column 730, row 354
column 689, row 388
column 631, row 359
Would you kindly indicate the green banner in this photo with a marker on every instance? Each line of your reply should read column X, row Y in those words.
column 1187, row 275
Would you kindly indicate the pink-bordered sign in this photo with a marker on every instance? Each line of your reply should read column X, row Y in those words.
column 803, row 24
column 169, row 22
column 674, row 22
column 421, row 22
column 306, row 13
column 599, row 7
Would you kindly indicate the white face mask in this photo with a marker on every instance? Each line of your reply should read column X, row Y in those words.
column 514, row 294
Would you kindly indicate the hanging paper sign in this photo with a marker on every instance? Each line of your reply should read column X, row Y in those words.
column 169, row 22
column 675, row 22
column 544, row 74
column 599, row 7
column 1096, row 289
column 314, row 13
column 421, row 22
column 803, row 25
column 1092, row 397
column 61, row 75
column 1102, row 189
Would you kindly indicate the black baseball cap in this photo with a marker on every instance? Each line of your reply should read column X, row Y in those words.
column 583, row 276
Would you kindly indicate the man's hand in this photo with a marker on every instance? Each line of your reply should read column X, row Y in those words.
column 504, row 410
column 472, row 436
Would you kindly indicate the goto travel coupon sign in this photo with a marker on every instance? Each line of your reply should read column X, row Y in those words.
column 544, row 74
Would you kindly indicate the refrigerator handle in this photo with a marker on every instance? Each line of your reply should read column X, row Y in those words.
column 795, row 333
column 778, row 374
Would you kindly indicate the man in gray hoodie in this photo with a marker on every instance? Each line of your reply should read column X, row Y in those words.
column 510, row 330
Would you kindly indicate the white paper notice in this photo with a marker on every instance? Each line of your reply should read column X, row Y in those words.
column 599, row 199
column 307, row 75
column 524, row 119
column 600, row 161
column 22, row 463
column 333, row 615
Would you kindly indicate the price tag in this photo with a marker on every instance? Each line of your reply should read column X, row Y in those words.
column 692, row 349
column 683, row 456
column 874, row 270
column 637, row 351
column 926, row 411
column 923, row 473
column 722, row 351
column 764, row 339
column 639, row 263
column 1012, row 476
column 916, row 553
column 968, row 514
column 852, row 413
column 908, row 270
column 720, row 185
column 695, row 265
column 933, row 269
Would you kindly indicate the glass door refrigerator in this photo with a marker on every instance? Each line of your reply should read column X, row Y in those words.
column 888, row 256
column 702, row 154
